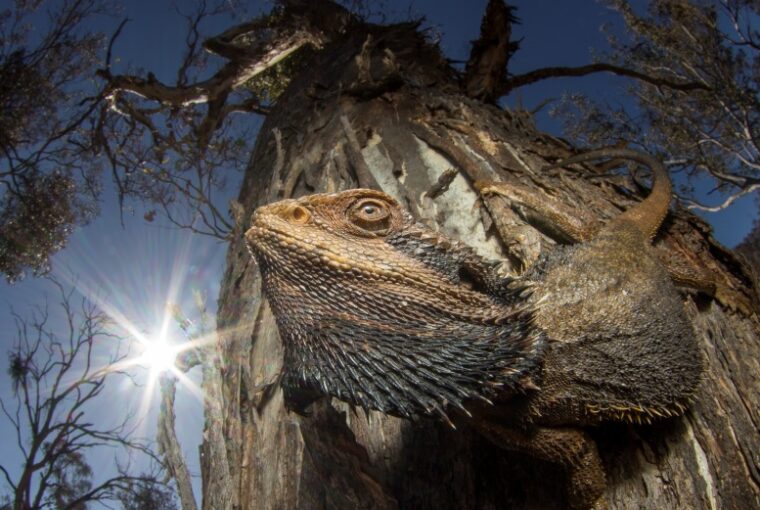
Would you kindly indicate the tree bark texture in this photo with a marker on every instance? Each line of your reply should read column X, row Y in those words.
column 379, row 107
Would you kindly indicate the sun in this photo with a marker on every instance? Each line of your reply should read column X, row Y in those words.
column 158, row 355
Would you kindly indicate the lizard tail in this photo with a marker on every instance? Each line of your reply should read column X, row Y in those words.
column 648, row 215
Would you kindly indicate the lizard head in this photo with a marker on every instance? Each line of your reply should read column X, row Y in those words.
column 383, row 312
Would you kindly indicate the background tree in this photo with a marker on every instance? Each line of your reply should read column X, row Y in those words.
column 56, row 381
column 48, row 176
column 750, row 248
column 711, row 131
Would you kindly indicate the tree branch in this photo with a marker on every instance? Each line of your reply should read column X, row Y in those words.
column 560, row 72
column 264, row 44
column 186, row 122
column 749, row 187
column 8, row 479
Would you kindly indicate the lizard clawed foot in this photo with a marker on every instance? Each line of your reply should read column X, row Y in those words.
column 706, row 282
column 570, row 448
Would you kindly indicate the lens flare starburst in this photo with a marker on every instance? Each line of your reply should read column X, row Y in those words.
column 158, row 355
column 132, row 287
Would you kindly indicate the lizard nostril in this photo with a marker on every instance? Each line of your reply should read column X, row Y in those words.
column 299, row 214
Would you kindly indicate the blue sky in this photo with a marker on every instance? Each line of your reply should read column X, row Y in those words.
column 137, row 267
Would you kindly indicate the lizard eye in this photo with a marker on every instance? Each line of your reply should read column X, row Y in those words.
column 370, row 214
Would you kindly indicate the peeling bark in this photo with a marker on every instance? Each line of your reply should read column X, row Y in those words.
column 408, row 136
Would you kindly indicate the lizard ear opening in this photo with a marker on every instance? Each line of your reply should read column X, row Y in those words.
column 470, row 278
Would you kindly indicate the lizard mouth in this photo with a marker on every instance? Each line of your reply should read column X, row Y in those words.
column 264, row 237
column 277, row 244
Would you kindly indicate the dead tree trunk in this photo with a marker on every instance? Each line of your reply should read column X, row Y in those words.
column 379, row 107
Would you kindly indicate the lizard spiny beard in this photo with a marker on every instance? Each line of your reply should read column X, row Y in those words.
column 384, row 313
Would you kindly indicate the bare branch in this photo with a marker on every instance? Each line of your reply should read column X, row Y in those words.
column 8, row 478
column 250, row 48
column 563, row 72
column 750, row 187
column 112, row 41
column 168, row 143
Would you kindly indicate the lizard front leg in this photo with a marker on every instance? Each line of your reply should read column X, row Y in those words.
column 543, row 215
column 570, row 448
column 570, row 226
column 542, row 211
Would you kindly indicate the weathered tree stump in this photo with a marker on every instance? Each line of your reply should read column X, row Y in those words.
column 379, row 107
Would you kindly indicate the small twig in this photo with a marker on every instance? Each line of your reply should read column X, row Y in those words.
column 442, row 184
column 113, row 41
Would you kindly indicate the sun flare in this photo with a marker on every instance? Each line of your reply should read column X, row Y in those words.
column 143, row 288
column 158, row 355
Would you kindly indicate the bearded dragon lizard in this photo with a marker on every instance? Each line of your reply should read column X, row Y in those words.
column 381, row 311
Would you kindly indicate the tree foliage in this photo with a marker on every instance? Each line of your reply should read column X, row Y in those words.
column 48, row 176
column 71, row 476
column 146, row 495
column 710, row 131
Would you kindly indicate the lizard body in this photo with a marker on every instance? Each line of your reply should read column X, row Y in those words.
column 621, row 346
column 385, row 313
